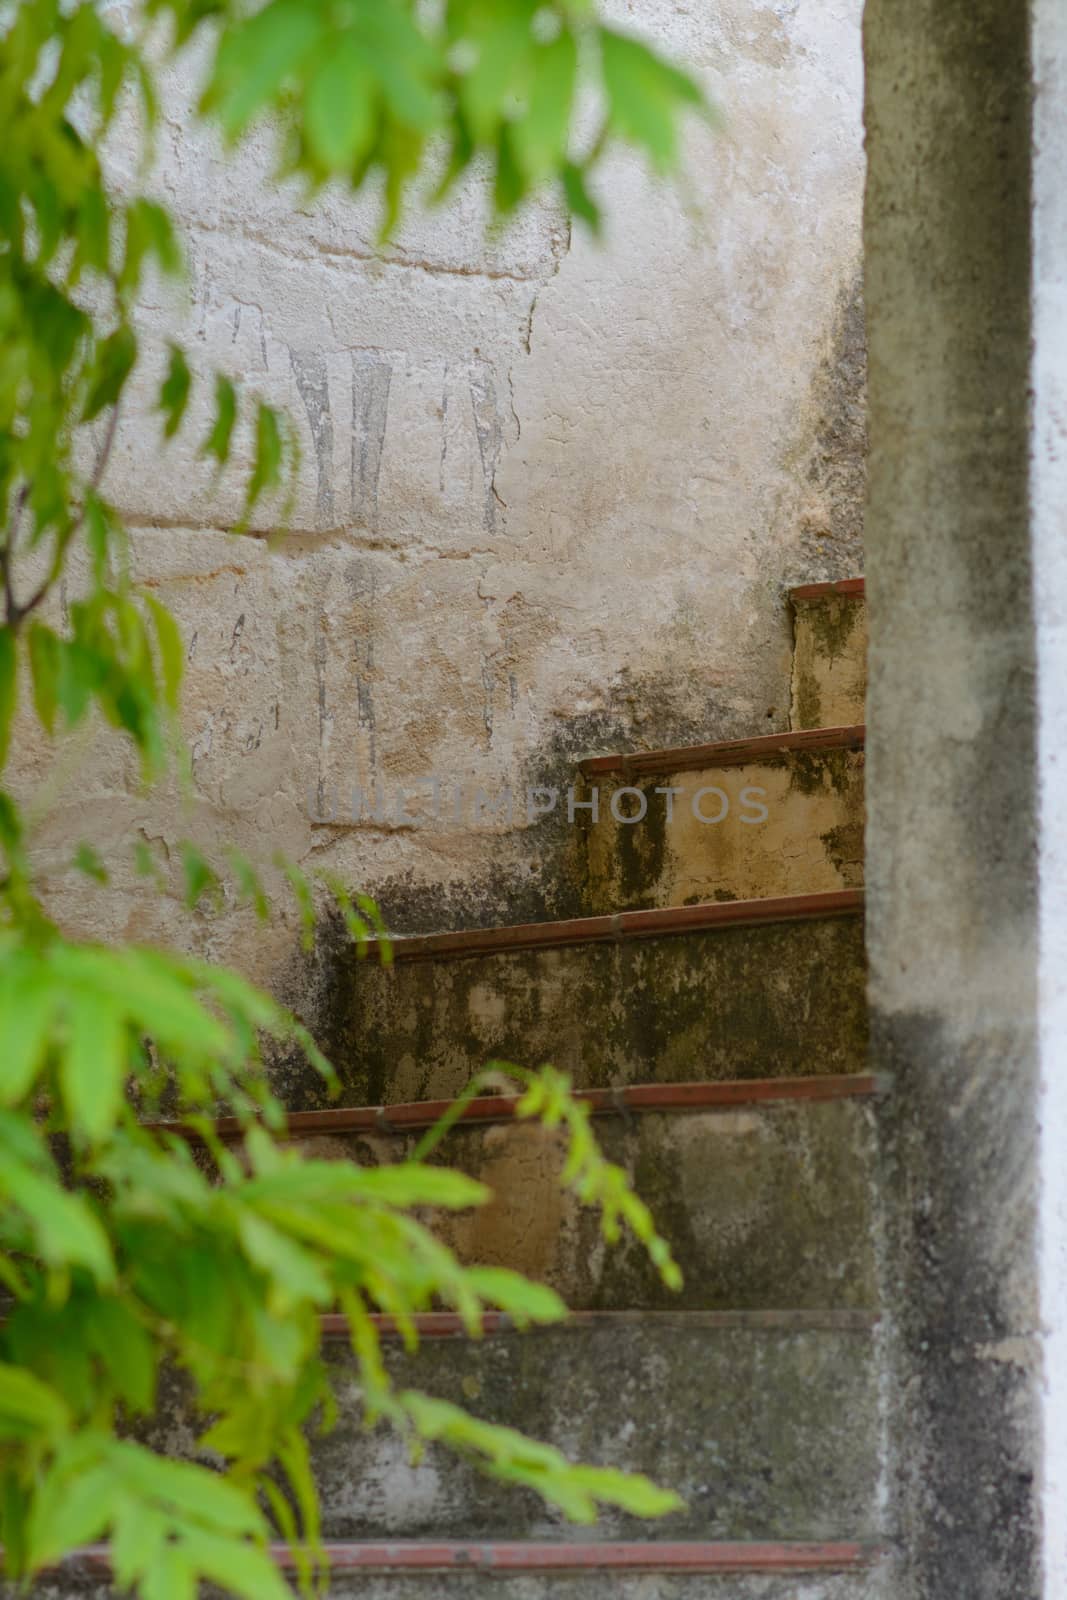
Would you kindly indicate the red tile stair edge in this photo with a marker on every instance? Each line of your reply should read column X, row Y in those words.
column 726, row 752
column 850, row 588
column 626, row 1100
column 334, row 1326
column 661, row 921
column 645, row 1556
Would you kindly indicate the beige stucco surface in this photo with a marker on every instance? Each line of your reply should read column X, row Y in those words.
column 551, row 492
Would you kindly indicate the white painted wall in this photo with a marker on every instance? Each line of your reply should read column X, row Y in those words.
column 1049, row 490
column 550, row 495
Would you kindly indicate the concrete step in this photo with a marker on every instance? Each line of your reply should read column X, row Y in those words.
column 743, row 989
column 765, row 1200
column 778, row 815
column 766, row 1423
column 829, row 654
column 459, row 1570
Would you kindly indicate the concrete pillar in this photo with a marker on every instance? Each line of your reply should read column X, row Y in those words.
column 966, row 241
column 1049, row 538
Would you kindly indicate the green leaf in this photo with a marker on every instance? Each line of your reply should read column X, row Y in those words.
column 171, row 649
column 406, row 1184
column 201, row 879
column 249, row 884
column 579, row 201
column 149, row 232
column 44, row 651
column 198, row 1493
column 66, row 1231
column 8, row 688
column 138, row 1542
column 171, row 1576
column 235, row 1565
column 174, row 393
column 29, row 1406
column 257, row 58
column 510, row 187
column 304, row 898
column 114, row 360
column 283, row 1260
column 523, row 1301
column 127, row 1349
column 100, row 529
column 646, row 95
column 541, row 135
column 267, row 468
column 340, row 107
column 218, row 440
column 27, row 1004
column 93, row 1066
column 87, row 860
column 77, row 1512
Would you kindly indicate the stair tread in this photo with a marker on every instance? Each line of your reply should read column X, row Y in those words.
column 773, row 988
column 645, row 1555
column 497, row 1324
column 612, row 927
column 856, row 587
column 727, row 752
column 406, row 1115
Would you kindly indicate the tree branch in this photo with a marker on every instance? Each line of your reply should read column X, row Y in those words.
column 16, row 613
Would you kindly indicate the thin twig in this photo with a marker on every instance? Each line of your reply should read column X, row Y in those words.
column 16, row 613
column 6, row 553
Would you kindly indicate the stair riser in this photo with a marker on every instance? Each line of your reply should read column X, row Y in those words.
column 829, row 661
column 776, row 1000
column 763, row 1206
column 474, row 1585
column 609, row 1586
column 767, row 1434
column 788, row 825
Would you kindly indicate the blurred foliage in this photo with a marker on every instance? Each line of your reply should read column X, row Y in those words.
column 126, row 1250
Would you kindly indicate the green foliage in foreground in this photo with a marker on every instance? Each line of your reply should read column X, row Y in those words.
column 128, row 1250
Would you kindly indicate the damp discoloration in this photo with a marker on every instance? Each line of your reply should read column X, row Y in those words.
column 773, row 827
column 764, row 1207
column 828, row 466
column 767, row 1001
column 772, row 1439
column 829, row 684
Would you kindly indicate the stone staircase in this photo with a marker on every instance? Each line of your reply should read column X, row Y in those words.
column 712, row 1005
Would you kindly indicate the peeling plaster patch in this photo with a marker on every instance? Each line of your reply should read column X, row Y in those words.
column 490, row 436
column 1019, row 1351
column 372, row 374
column 310, row 373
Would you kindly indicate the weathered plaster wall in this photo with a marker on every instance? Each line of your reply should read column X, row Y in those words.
column 550, row 494
column 953, row 830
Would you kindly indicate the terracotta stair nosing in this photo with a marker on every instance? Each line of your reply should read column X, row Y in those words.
column 497, row 1324
column 625, row 1100
column 727, row 752
column 663, row 921
column 848, row 588
column 497, row 1556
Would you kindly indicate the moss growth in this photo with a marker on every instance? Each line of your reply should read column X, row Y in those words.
column 778, row 1000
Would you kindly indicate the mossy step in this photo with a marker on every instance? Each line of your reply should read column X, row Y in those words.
column 829, row 653
column 764, row 1205
column 750, row 989
column 425, row 1570
column 767, row 1427
column 777, row 815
